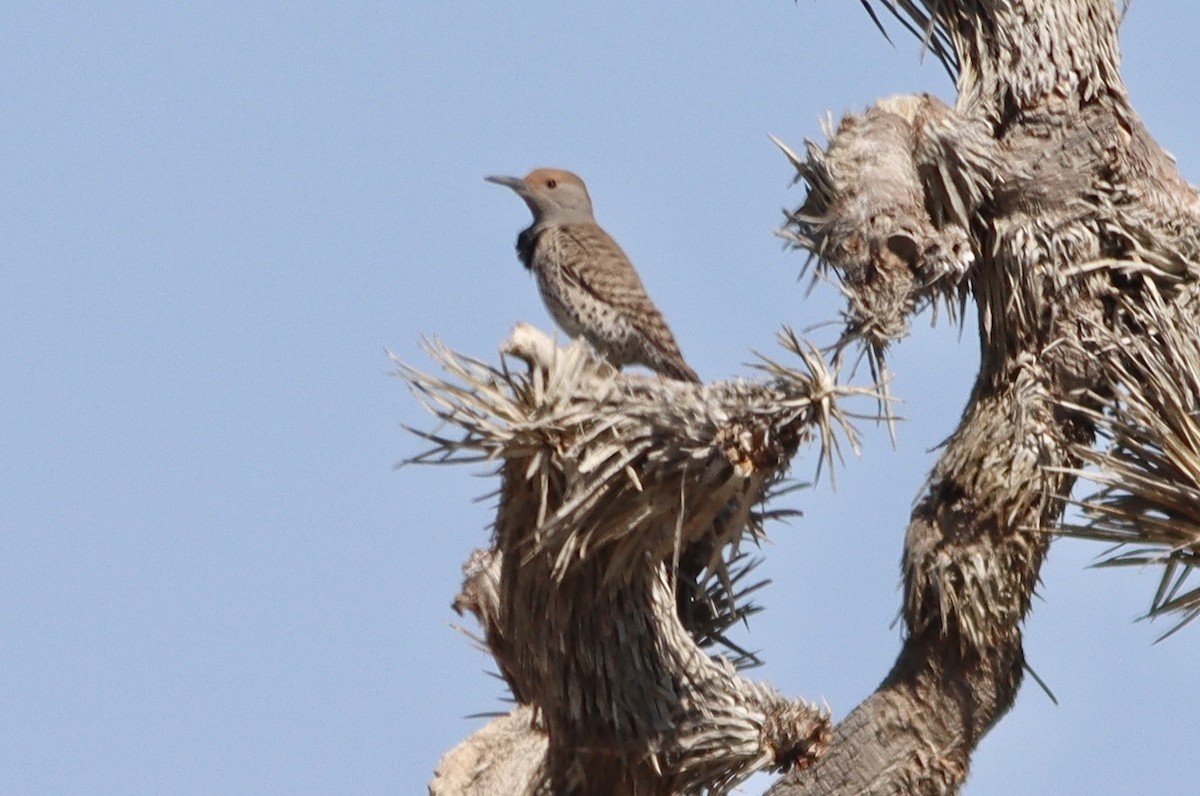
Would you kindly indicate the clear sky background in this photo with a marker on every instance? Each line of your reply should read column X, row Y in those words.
column 214, row 220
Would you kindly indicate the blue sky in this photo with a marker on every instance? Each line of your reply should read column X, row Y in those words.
column 216, row 220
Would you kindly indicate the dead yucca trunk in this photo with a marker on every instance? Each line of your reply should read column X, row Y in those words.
column 1040, row 195
column 616, row 493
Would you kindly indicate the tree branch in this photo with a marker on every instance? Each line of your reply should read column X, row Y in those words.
column 1040, row 195
column 616, row 493
column 1070, row 212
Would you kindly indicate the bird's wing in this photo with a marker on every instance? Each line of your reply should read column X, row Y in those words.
column 591, row 258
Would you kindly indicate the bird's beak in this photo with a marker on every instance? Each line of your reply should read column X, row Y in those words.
column 515, row 183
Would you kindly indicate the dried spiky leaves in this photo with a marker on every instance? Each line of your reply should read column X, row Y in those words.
column 913, row 165
column 918, row 19
column 890, row 204
column 622, row 504
column 1148, row 467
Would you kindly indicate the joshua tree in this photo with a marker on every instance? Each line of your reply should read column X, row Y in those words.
column 1038, row 195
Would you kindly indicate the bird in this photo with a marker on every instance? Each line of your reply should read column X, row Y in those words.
column 587, row 282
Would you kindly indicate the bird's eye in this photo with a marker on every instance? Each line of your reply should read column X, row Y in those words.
column 551, row 183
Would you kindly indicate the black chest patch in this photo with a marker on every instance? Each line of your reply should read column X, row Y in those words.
column 526, row 243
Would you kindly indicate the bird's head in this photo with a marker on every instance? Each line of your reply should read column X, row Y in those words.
column 554, row 196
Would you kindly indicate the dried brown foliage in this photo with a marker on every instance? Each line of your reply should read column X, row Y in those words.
column 1038, row 195
column 623, row 502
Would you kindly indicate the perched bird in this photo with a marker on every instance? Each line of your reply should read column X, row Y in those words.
column 588, row 284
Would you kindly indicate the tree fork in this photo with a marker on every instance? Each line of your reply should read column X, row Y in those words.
column 1067, row 202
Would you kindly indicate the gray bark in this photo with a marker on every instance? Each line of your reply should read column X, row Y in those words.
column 1067, row 203
column 1041, row 197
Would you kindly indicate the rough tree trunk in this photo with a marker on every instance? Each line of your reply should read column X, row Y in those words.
column 1067, row 204
column 1040, row 196
column 620, row 497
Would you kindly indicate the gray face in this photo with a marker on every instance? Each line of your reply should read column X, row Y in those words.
column 554, row 196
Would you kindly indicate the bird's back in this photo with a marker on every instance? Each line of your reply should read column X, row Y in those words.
column 591, row 288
